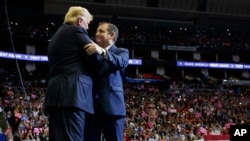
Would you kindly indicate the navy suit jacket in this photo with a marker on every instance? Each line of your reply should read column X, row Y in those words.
column 70, row 83
column 110, row 91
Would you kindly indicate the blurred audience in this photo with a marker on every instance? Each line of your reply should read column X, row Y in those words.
column 142, row 36
column 171, row 112
column 154, row 112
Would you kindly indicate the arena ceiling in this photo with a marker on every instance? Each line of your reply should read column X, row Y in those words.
column 222, row 12
column 187, row 11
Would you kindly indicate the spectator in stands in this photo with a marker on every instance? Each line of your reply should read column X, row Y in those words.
column 109, row 104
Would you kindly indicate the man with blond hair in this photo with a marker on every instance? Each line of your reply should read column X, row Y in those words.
column 69, row 90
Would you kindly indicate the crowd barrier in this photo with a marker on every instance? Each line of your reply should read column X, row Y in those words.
column 225, row 137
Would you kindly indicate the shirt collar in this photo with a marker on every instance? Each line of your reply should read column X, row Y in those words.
column 107, row 48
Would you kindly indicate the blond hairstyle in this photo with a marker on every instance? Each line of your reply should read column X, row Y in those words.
column 76, row 12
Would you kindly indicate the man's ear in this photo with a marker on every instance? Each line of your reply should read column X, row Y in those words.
column 78, row 21
column 112, row 35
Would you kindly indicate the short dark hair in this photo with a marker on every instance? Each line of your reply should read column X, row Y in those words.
column 112, row 28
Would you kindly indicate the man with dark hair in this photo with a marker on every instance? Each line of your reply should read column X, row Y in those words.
column 109, row 103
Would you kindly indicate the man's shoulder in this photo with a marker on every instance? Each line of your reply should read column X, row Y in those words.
column 73, row 28
column 122, row 49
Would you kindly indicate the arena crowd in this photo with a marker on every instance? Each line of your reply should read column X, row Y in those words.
column 174, row 112
column 154, row 112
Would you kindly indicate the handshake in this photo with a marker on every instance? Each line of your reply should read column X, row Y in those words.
column 93, row 48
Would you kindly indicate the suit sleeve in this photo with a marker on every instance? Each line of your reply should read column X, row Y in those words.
column 83, row 36
column 117, row 60
column 91, row 60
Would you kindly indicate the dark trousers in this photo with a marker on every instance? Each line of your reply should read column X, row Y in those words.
column 111, row 126
column 66, row 124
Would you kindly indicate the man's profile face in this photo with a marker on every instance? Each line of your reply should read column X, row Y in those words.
column 102, row 35
column 84, row 22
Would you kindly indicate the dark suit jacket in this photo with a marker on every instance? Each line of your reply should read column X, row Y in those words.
column 110, row 91
column 70, row 82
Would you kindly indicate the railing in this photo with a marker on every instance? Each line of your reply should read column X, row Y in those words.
column 197, row 91
column 225, row 137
